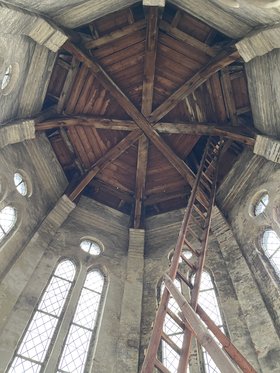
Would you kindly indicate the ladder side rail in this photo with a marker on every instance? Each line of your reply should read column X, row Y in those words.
column 186, row 347
column 151, row 353
column 229, row 347
column 197, row 327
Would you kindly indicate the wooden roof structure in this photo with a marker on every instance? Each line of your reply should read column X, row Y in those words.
column 135, row 95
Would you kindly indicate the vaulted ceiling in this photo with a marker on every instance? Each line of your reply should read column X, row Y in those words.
column 131, row 99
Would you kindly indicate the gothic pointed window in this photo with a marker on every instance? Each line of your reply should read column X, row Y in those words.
column 32, row 351
column 8, row 218
column 208, row 301
column 271, row 248
column 77, row 343
column 170, row 358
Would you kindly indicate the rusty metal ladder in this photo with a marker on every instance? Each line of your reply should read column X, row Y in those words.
column 193, row 237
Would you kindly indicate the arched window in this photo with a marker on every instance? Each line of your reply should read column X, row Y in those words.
column 271, row 248
column 76, row 348
column 170, row 358
column 32, row 351
column 208, row 301
column 35, row 347
column 8, row 218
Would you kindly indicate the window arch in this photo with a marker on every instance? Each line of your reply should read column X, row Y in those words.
column 32, row 351
column 8, row 218
column 271, row 247
column 208, row 300
column 74, row 355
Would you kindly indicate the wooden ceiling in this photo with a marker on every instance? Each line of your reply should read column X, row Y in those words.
column 158, row 69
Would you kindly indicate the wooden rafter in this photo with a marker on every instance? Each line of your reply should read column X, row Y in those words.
column 220, row 61
column 182, row 36
column 147, row 102
column 239, row 133
column 131, row 110
column 136, row 26
column 223, row 59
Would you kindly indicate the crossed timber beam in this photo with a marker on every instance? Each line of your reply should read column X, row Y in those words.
column 237, row 133
column 221, row 60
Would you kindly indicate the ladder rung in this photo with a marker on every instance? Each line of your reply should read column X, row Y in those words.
column 192, row 232
column 172, row 344
column 207, row 177
column 183, row 278
column 191, row 265
column 175, row 318
column 161, row 367
column 197, row 209
column 195, row 252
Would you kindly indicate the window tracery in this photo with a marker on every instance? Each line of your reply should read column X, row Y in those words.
column 32, row 351
column 36, row 346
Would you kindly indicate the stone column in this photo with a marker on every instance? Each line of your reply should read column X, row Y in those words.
column 130, row 321
column 15, row 132
column 267, row 147
column 262, row 331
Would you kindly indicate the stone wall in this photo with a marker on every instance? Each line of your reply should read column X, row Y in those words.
column 45, row 182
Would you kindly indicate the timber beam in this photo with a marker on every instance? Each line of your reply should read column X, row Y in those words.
column 242, row 134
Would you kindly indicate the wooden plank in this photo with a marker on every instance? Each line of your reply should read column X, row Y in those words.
column 228, row 96
column 182, row 36
column 68, row 84
column 121, row 194
column 113, row 36
column 223, row 59
column 238, row 133
column 203, row 336
column 147, row 101
column 229, row 347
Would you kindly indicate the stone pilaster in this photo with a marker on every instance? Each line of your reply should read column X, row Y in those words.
column 268, row 148
column 15, row 132
column 130, row 322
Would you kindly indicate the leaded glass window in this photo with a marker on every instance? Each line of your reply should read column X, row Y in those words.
column 170, row 357
column 91, row 247
column 208, row 301
column 8, row 218
column 271, row 248
column 77, row 343
column 31, row 353
column 20, row 184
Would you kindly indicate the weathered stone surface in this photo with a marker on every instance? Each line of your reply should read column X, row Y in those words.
column 267, row 147
column 263, row 75
column 260, row 325
column 259, row 42
column 16, row 132
column 130, row 321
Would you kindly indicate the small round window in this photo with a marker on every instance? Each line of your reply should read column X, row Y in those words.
column 91, row 247
column 261, row 204
column 20, row 184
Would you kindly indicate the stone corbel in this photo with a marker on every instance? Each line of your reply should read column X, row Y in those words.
column 16, row 21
